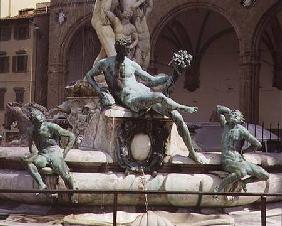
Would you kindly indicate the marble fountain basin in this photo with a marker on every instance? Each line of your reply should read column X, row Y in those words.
column 95, row 170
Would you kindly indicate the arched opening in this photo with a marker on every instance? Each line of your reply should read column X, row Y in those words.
column 270, row 47
column 83, row 49
column 213, row 77
column 267, row 41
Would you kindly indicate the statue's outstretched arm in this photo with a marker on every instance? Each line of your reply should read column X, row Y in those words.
column 221, row 110
column 150, row 80
column 95, row 71
column 63, row 133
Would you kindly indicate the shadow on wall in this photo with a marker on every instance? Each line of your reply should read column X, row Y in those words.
column 214, row 72
column 208, row 136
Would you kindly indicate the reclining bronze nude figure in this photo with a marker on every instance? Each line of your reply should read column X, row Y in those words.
column 122, row 76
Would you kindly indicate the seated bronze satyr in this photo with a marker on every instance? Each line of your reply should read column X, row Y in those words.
column 46, row 135
column 234, row 135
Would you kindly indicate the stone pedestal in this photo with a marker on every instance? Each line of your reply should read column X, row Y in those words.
column 134, row 141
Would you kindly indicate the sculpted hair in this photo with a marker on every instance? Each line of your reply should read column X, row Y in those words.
column 240, row 115
column 32, row 112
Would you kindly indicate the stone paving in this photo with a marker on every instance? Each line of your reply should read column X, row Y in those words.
column 34, row 215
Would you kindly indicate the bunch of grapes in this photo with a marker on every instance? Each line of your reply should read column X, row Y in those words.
column 181, row 60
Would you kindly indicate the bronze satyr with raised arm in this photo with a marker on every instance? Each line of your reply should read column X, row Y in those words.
column 234, row 135
column 45, row 136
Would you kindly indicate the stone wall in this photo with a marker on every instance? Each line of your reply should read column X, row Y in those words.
column 247, row 23
column 41, row 51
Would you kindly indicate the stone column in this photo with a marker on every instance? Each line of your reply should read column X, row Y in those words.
column 2, row 98
column 55, row 84
column 277, row 80
column 277, row 52
column 249, row 85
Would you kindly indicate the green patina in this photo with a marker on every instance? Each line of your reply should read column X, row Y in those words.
column 123, row 75
column 46, row 138
column 233, row 138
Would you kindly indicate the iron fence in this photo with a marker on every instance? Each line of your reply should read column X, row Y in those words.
column 269, row 135
column 262, row 196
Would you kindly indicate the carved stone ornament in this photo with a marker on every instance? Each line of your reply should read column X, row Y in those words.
column 80, row 88
column 142, row 144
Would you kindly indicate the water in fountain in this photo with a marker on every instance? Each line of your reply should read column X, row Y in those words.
column 144, row 183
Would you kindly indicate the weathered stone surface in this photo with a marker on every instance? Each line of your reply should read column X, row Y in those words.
column 262, row 158
column 195, row 219
column 151, row 218
column 159, row 218
column 105, row 219
column 91, row 131
column 83, row 156
column 29, row 215
column 80, row 89
column 252, row 217
column 119, row 112
column 206, row 183
column 115, row 131
column 32, row 220
column 74, row 155
column 162, row 182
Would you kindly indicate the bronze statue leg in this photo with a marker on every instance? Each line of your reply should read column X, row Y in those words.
column 152, row 98
column 60, row 167
column 238, row 170
column 38, row 162
column 182, row 129
column 184, row 132
column 102, row 54
column 230, row 179
column 257, row 173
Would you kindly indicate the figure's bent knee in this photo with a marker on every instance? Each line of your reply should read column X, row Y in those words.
column 260, row 172
column 65, row 174
column 159, row 96
column 176, row 116
column 263, row 175
column 241, row 173
column 31, row 165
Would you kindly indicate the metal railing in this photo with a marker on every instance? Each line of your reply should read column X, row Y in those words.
column 269, row 135
column 262, row 196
